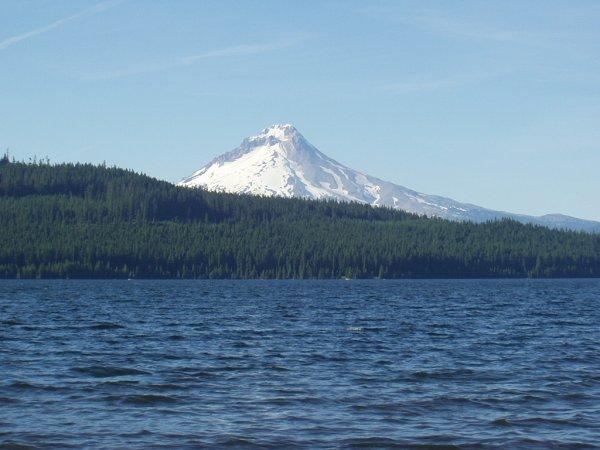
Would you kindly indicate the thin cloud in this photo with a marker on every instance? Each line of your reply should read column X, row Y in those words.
column 412, row 87
column 438, row 23
column 241, row 50
column 451, row 81
column 454, row 27
column 99, row 7
column 236, row 50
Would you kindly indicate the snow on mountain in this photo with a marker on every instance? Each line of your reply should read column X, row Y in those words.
column 281, row 162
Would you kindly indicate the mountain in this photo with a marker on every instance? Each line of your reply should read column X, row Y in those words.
column 281, row 162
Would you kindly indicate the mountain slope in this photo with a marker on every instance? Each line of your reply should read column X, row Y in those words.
column 281, row 162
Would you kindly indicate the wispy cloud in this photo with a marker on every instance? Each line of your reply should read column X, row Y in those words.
column 419, row 86
column 99, row 7
column 188, row 60
column 450, row 81
column 450, row 26
column 438, row 23
column 242, row 50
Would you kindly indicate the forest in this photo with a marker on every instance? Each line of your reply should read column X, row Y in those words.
column 86, row 221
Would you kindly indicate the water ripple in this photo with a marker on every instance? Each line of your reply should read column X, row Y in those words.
column 423, row 364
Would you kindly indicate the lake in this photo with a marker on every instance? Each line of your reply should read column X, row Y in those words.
column 315, row 364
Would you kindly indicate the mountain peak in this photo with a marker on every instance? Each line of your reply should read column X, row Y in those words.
column 281, row 131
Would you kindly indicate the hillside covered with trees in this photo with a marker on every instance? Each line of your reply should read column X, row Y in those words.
column 85, row 221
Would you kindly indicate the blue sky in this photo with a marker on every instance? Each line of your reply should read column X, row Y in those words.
column 493, row 103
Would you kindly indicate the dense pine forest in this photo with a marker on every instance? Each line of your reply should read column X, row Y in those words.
column 85, row 221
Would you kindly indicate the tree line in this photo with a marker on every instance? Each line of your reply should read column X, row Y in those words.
column 86, row 221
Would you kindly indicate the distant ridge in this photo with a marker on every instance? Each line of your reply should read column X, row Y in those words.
column 279, row 161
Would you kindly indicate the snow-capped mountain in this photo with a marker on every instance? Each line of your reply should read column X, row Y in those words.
column 281, row 162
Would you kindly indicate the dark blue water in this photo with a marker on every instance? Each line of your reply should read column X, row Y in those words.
column 186, row 364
